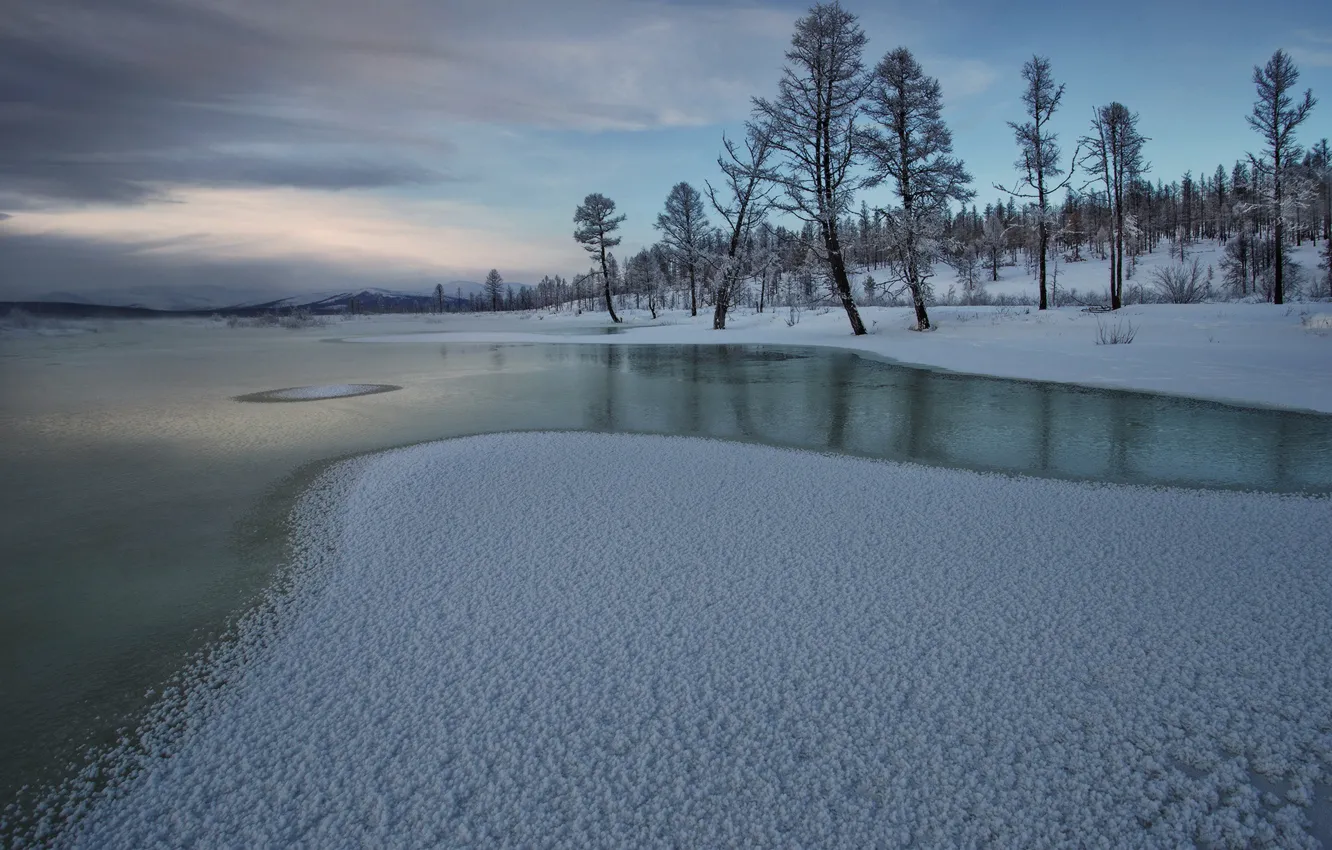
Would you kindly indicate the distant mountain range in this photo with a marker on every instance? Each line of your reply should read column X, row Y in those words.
column 209, row 300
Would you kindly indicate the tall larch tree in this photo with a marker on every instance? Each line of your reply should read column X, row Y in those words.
column 494, row 289
column 1039, row 164
column 813, row 127
column 1275, row 116
column 684, row 229
column 595, row 221
column 911, row 146
column 743, row 204
column 1114, row 156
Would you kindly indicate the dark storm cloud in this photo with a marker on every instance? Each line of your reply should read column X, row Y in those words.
column 100, row 99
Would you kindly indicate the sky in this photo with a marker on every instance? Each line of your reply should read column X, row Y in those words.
column 230, row 149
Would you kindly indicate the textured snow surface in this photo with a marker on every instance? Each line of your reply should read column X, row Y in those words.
column 589, row 640
column 319, row 392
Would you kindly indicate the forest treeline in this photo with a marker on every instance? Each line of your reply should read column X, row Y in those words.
column 785, row 226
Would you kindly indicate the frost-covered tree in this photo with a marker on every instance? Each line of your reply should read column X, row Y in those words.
column 912, row 147
column 1275, row 116
column 742, row 203
column 813, row 127
column 596, row 220
column 1114, row 156
column 993, row 240
column 684, row 228
column 1039, row 165
column 494, row 289
column 640, row 280
column 965, row 259
column 613, row 274
column 1321, row 162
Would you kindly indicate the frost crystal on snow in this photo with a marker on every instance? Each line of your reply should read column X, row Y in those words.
column 482, row 646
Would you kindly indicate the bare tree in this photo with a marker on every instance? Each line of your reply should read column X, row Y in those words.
column 1040, row 153
column 813, row 129
column 912, row 146
column 439, row 298
column 746, row 204
column 1275, row 117
column 494, row 287
column 684, row 228
column 1114, row 156
column 596, row 221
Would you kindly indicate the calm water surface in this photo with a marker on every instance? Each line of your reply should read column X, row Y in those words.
column 141, row 507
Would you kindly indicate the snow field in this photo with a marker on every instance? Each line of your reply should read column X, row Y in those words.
column 583, row 640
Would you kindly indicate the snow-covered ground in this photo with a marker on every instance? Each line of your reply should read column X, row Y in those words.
column 652, row 641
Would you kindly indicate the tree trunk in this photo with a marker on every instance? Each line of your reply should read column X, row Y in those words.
column 723, row 302
column 605, row 277
column 841, row 280
column 693, row 291
column 1278, row 287
column 1044, row 240
column 1044, row 236
column 1116, row 287
column 918, row 300
column 917, row 291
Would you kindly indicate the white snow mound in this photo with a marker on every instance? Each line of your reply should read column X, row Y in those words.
column 591, row 641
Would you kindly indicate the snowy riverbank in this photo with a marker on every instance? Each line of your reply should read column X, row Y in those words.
column 1252, row 354
column 739, row 661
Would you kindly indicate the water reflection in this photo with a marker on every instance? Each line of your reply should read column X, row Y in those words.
column 838, row 401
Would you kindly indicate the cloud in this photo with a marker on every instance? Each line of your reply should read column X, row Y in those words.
column 615, row 65
column 1321, row 58
column 962, row 78
column 1316, row 49
column 267, row 137
column 348, row 230
column 1319, row 37
column 98, row 101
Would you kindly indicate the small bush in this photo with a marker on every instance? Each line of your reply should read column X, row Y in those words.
column 1316, row 321
column 1121, row 332
column 1181, row 283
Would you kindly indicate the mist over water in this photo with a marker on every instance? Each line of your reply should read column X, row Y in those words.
column 143, row 506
